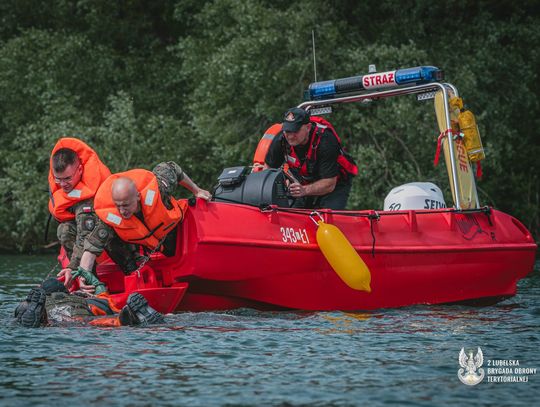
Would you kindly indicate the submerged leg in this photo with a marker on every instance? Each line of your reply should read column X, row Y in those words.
column 31, row 313
column 138, row 312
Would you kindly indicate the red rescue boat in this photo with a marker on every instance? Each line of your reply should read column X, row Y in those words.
column 231, row 255
column 248, row 249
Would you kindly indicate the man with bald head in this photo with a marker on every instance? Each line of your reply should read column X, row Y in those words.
column 126, row 197
column 138, row 207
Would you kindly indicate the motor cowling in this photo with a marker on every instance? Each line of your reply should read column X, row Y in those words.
column 414, row 195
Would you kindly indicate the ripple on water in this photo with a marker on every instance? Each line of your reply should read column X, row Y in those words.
column 407, row 356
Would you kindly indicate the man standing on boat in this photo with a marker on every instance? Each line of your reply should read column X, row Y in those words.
column 312, row 150
column 75, row 174
column 137, row 206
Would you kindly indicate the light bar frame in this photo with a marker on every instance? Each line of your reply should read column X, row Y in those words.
column 405, row 90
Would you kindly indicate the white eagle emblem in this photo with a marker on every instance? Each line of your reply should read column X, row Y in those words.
column 471, row 373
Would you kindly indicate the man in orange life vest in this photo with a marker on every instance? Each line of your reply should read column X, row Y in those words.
column 313, row 152
column 137, row 206
column 75, row 174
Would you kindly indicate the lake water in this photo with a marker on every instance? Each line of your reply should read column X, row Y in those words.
column 402, row 357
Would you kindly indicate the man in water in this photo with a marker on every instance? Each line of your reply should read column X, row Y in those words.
column 51, row 303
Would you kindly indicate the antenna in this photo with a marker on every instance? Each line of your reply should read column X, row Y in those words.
column 314, row 60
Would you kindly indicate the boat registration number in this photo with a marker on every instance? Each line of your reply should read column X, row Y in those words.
column 292, row 235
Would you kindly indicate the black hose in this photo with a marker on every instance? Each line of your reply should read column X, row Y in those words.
column 47, row 228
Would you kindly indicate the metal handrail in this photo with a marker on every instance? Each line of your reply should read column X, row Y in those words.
column 379, row 94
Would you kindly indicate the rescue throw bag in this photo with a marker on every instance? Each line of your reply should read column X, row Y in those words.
column 469, row 128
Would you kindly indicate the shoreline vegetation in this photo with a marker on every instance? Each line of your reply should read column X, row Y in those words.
column 199, row 82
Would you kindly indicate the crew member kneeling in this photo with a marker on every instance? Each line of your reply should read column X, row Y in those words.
column 312, row 150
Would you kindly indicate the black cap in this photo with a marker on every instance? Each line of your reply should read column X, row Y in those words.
column 294, row 119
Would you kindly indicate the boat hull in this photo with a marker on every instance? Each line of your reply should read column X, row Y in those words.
column 231, row 256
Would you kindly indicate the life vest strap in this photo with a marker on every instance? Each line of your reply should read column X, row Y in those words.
column 346, row 165
column 149, row 234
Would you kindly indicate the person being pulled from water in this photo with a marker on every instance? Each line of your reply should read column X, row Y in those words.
column 75, row 174
column 313, row 152
column 137, row 206
column 51, row 304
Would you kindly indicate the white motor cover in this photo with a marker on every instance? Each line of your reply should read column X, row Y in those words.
column 414, row 195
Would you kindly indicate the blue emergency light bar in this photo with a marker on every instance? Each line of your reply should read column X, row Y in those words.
column 408, row 76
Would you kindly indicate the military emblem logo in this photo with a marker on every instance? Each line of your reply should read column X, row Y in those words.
column 89, row 224
column 290, row 117
column 471, row 373
column 102, row 233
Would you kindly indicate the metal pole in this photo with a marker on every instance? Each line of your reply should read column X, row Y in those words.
column 396, row 92
column 314, row 60
column 451, row 147
column 473, row 180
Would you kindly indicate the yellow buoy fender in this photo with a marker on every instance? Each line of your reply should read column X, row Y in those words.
column 345, row 261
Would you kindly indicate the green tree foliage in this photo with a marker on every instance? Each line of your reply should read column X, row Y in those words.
column 199, row 81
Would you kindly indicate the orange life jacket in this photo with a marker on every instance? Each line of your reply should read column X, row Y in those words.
column 102, row 304
column 106, row 321
column 158, row 220
column 94, row 173
column 347, row 167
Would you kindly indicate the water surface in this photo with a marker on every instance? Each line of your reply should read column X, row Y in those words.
column 399, row 357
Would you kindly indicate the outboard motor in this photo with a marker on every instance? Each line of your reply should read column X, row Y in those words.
column 267, row 187
column 415, row 195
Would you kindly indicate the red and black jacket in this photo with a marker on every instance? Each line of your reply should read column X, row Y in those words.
column 306, row 168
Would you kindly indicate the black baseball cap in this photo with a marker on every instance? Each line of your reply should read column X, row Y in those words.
column 294, row 119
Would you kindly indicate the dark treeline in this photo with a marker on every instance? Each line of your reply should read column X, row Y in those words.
column 199, row 81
